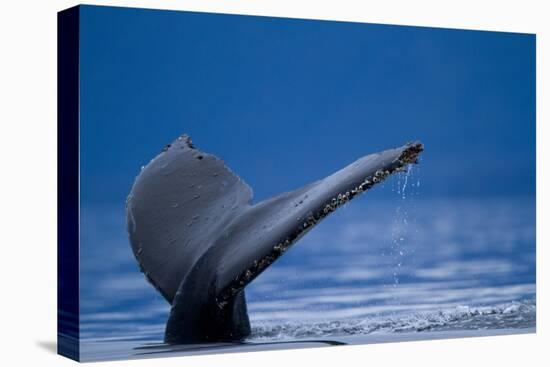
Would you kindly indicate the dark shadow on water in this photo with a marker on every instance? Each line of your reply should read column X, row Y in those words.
column 48, row 345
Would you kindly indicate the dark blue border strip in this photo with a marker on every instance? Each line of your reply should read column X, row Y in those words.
column 68, row 24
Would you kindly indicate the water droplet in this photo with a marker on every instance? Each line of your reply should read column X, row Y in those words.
column 407, row 174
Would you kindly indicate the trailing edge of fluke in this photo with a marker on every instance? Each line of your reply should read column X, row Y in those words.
column 199, row 240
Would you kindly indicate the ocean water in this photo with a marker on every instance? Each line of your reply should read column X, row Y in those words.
column 388, row 269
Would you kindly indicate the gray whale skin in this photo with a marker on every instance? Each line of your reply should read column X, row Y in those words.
column 199, row 240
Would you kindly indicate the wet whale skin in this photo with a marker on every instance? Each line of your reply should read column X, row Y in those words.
column 199, row 239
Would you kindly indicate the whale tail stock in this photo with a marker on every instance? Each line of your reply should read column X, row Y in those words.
column 199, row 239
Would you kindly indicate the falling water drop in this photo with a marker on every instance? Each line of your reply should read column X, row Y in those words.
column 400, row 231
column 407, row 174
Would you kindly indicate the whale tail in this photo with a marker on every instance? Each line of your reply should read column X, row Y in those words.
column 199, row 239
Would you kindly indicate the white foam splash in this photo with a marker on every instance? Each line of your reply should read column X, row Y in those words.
column 515, row 314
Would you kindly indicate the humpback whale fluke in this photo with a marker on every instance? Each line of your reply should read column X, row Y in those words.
column 199, row 239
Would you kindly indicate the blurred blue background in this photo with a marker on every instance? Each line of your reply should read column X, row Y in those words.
column 285, row 102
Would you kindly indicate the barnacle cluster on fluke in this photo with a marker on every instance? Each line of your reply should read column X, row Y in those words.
column 199, row 239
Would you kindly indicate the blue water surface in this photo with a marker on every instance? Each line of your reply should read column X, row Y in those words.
column 397, row 267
